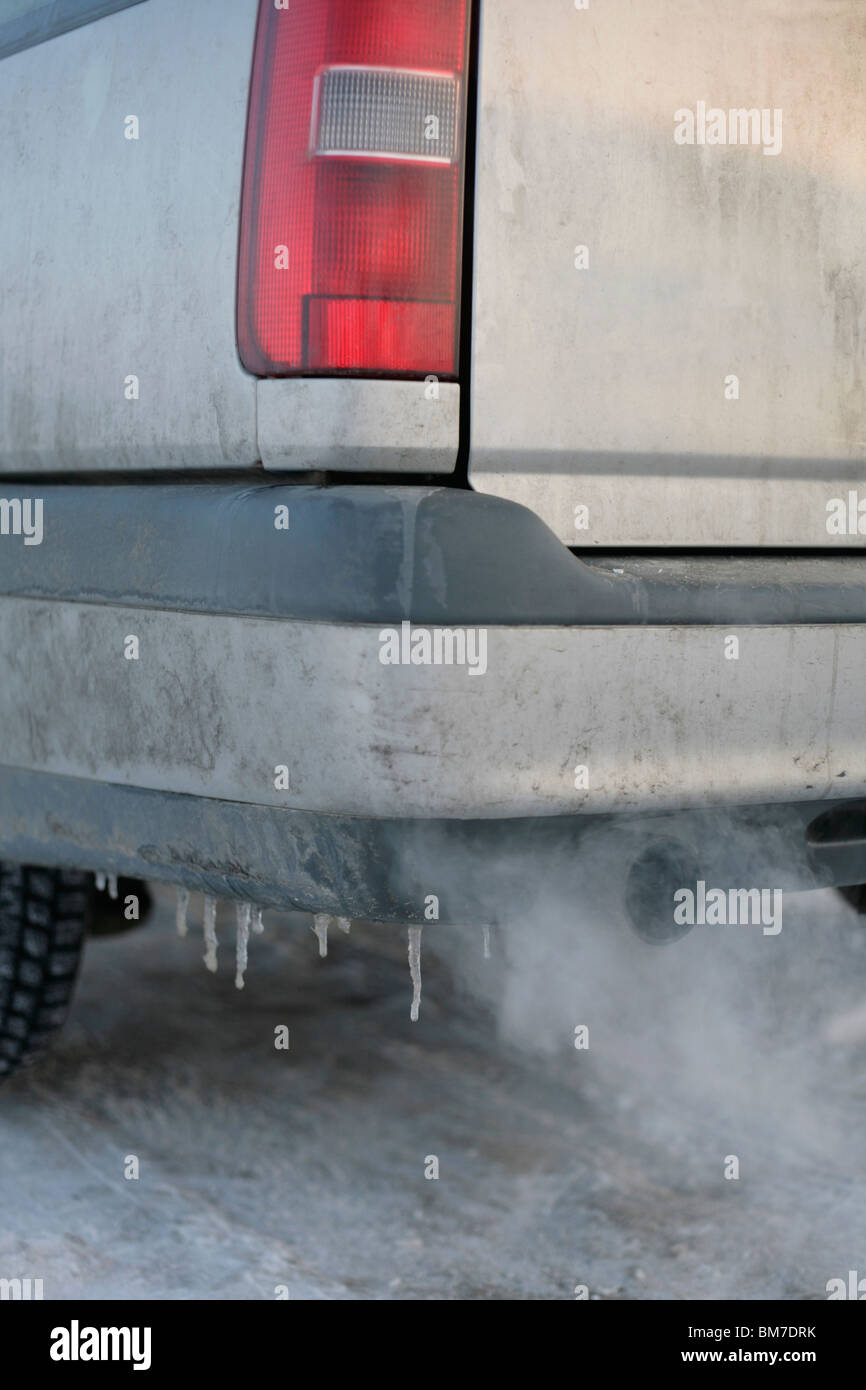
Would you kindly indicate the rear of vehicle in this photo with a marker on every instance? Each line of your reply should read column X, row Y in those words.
column 432, row 450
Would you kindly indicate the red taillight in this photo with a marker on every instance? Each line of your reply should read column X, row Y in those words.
column 353, row 189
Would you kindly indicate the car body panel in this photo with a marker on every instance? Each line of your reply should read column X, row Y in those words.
column 604, row 387
column 119, row 255
column 358, row 425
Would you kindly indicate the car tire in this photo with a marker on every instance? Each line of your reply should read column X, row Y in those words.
column 43, row 917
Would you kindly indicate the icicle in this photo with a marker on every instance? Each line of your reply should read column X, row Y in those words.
column 112, row 886
column 100, row 883
column 320, row 927
column 485, row 936
column 242, row 942
column 256, row 922
column 344, row 923
column 180, row 910
column 415, row 970
column 210, row 936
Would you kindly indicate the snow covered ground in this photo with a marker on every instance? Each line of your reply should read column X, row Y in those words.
column 304, row 1168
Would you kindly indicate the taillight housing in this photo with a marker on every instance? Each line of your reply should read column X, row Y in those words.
column 351, row 220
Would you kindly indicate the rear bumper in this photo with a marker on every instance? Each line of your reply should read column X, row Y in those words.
column 260, row 721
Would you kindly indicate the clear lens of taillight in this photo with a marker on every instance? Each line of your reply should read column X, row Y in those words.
column 353, row 189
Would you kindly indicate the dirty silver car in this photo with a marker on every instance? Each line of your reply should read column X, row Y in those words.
column 432, row 451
